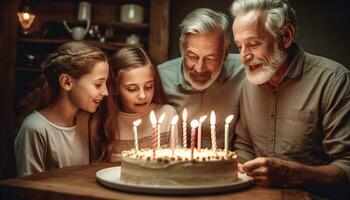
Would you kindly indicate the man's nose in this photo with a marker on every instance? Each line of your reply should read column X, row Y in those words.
column 199, row 66
column 245, row 55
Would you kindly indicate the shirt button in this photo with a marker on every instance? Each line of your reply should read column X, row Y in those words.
column 272, row 116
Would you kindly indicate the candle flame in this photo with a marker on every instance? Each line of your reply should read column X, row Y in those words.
column 212, row 118
column 174, row 120
column 161, row 118
column 194, row 123
column 137, row 122
column 153, row 118
column 202, row 119
column 228, row 119
column 184, row 115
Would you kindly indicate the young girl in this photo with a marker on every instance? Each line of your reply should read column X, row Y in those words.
column 55, row 134
column 134, row 89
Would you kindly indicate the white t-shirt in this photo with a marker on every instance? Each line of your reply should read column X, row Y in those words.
column 42, row 145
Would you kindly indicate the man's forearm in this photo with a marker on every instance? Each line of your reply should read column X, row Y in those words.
column 305, row 174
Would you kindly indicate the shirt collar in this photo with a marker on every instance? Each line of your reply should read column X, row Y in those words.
column 297, row 61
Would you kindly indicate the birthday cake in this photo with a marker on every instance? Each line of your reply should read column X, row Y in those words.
column 178, row 167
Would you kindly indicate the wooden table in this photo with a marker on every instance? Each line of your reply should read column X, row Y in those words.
column 79, row 182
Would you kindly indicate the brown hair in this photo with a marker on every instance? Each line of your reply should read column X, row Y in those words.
column 125, row 59
column 74, row 59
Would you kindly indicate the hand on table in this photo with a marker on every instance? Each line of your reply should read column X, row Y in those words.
column 267, row 171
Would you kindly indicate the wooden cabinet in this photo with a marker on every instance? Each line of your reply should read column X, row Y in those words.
column 48, row 32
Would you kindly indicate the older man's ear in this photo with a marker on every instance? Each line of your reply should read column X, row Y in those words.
column 289, row 35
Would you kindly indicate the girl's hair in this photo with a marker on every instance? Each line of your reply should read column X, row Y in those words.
column 125, row 59
column 75, row 59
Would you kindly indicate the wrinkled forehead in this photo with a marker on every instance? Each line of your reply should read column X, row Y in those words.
column 251, row 22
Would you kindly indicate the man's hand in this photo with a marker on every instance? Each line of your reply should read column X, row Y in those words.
column 269, row 171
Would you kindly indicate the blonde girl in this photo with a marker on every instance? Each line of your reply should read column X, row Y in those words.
column 134, row 89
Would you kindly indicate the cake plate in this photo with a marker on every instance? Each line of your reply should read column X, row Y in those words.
column 110, row 177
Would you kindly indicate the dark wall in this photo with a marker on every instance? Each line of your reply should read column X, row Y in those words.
column 323, row 25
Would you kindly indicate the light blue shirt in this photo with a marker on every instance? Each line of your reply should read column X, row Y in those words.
column 222, row 96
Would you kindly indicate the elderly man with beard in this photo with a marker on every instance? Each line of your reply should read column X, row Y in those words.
column 295, row 107
column 206, row 77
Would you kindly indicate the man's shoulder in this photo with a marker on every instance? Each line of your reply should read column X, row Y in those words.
column 324, row 64
column 170, row 65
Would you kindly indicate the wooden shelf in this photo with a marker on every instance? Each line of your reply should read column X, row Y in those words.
column 105, row 46
column 120, row 25
column 28, row 69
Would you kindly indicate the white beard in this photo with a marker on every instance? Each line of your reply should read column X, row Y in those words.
column 201, row 86
column 265, row 72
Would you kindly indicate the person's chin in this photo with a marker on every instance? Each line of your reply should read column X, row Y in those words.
column 91, row 109
column 258, row 77
column 141, row 108
column 200, row 85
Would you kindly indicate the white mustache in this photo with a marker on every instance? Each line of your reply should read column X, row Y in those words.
column 255, row 62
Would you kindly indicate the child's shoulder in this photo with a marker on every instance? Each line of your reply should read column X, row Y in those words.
column 34, row 120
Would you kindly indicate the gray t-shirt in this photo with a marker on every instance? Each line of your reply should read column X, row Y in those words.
column 222, row 96
column 41, row 145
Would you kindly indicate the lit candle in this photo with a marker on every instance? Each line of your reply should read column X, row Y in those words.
column 227, row 121
column 199, row 138
column 212, row 130
column 160, row 121
column 134, row 127
column 184, row 128
column 172, row 133
column 154, row 132
column 194, row 125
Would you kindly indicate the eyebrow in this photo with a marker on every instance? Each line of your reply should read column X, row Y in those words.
column 213, row 54
column 133, row 84
column 100, row 79
column 248, row 38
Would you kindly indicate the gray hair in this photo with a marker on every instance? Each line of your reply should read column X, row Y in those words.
column 279, row 13
column 202, row 21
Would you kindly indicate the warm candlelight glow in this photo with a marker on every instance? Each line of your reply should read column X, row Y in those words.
column 194, row 125
column 174, row 120
column 154, row 132
column 212, row 130
column 172, row 133
column 202, row 119
column 212, row 118
column 184, row 128
column 199, row 137
column 153, row 118
column 135, row 125
column 227, row 121
column 160, row 120
column 137, row 122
